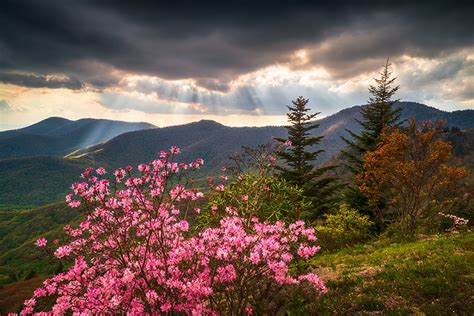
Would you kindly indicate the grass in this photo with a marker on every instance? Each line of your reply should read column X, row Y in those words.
column 431, row 276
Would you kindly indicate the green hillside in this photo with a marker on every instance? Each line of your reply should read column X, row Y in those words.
column 37, row 181
column 40, row 180
column 19, row 229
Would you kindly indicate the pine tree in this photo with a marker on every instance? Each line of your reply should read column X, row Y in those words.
column 376, row 115
column 299, row 169
column 379, row 113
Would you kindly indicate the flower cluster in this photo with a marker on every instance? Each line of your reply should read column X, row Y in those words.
column 135, row 253
column 458, row 222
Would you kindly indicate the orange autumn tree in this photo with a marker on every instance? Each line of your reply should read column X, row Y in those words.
column 413, row 170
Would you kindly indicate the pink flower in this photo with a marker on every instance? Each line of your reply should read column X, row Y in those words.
column 175, row 150
column 62, row 252
column 165, row 307
column 40, row 292
column 136, row 252
column 119, row 174
column 74, row 204
column 306, row 252
column 183, row 226
column 249, row 310
column 86, row 172
column 30, row 303
column 41, row 242
column 288, row 143
column 100, row 170
column 314, row 280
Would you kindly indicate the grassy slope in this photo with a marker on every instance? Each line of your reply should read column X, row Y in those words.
column 18, row 232
column 13, row 295
column 432, row 276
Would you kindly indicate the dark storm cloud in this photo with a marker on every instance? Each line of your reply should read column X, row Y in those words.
column 215, row 42
column 38, row 81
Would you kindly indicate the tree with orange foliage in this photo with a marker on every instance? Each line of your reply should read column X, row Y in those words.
column 413, row 169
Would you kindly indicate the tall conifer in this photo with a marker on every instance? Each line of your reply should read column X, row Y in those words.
column 299, row 159
column 378, row 114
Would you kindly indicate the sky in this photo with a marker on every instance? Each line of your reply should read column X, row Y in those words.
column 236, row 62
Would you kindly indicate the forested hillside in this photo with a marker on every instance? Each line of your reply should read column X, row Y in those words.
column 23, row 179
column 57, row 136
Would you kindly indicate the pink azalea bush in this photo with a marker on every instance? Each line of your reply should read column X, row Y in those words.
column 135, row 252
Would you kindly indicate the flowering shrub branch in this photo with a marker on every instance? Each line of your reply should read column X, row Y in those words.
column 135, row 253
column 458, row 222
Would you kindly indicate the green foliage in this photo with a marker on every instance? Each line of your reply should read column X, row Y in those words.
column 344, row 228
column 299, row 169
column 376, row 115
column 265, row 197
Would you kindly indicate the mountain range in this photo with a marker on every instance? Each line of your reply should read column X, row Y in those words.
column 36, row 180
column 58, row 136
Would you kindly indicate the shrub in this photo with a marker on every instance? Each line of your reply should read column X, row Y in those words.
column 265, row 197
column 344, row 228
column 135, row 253
column 413, row 173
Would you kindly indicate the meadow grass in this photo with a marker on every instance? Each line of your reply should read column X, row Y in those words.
column 430, row 276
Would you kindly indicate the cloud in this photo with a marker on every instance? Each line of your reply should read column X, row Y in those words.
column 265, row 92
column 143, row 103
column 447, row 81
column 4, row 106
column 40, row 81
column 215, row 42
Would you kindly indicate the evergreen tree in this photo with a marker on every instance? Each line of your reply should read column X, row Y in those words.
column 376, row 115
column 299, row 169
column 379, row 113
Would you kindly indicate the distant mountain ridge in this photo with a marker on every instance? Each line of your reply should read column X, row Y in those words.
column 57, row 136
column 334, row 126
column 24, row 181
